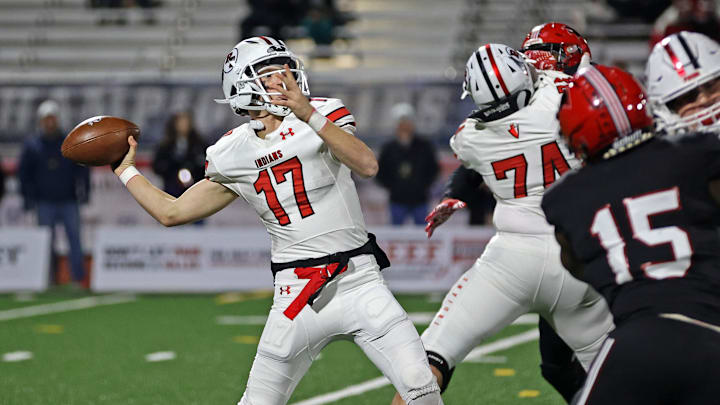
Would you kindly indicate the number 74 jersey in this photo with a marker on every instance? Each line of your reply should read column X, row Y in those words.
column 303, row 195
column 519, row 156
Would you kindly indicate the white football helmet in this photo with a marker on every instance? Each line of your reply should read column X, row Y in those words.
column 241, row 82
column 499, row 81
column 677, row 66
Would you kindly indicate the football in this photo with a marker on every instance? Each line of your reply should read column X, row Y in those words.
column 99, row 141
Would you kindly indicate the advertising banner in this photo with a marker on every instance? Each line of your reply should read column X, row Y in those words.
column 150, row 259
column 180, row 260
column 420, row 264
column 24, row 259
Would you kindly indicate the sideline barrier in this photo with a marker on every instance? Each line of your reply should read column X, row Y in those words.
column 145, row 259
column 24, row 259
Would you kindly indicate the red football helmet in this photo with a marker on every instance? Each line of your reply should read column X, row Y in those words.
column 566, row 44
column 604, row 112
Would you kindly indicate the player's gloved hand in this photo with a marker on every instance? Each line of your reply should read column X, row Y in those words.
column 128, row 160
column 298, row 103
column 542, row 60
column 441, row 213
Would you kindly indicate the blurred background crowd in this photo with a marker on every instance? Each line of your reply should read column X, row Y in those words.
column 397, row 65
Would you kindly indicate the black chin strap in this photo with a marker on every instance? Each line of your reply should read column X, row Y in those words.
column 504, row 107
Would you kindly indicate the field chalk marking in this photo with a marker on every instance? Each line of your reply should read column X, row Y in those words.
column 380, row 382
column 63, row 306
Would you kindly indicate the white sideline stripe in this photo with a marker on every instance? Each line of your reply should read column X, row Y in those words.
column 380, row 382
column 491, row 360
column 418, row 318
column 63, row 306
column 502, row 344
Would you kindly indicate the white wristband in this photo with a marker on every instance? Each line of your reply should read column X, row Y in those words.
column 317, row 121
column 128, row 174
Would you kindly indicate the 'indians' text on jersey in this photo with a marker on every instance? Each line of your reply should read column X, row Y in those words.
column 304, row 196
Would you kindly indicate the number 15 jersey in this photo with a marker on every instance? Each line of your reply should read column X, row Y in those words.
column 304, row 196
column 519, row 156
column 645, row 227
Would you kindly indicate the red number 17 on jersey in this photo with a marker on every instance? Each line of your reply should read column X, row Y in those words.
column 264, row 185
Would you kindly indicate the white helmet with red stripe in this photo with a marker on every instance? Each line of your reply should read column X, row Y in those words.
column 241, row 82
column 677, row 68
column 499, row 81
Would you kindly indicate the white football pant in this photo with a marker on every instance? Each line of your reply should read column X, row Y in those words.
column 517, row 274
column 358, row 306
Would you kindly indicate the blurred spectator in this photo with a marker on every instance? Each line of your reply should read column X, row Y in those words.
column 645, row 10
column 408, row 166
column 54, row 186
column 687, row 15
column 274, row 18
column 180, row 156
column 114, row 10
column 319, row 24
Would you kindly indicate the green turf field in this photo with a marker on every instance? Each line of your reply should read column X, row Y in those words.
column 97, row 354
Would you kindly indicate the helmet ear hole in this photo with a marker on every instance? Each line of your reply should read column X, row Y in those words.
column 523, row 98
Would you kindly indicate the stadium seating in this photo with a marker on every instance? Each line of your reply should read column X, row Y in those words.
column 61, row 40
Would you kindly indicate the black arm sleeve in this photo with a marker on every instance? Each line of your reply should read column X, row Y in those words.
column 463, row 184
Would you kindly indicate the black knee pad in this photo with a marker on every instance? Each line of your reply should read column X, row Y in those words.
column 441, row 364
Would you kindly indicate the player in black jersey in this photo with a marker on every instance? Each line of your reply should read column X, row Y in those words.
column 639, row 223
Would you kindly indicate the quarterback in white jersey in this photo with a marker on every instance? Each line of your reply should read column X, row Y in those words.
column 512, row 141
column 292, row 164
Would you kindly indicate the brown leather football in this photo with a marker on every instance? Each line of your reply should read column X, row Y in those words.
column 99, row 141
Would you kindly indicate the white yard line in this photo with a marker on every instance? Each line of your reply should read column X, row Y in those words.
column 380, row 382
column 350, row 391
column 477, row 353
column 64, row 306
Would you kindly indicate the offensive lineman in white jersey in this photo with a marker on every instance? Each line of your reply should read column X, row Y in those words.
column 511, row 140
column 549, row 46
column 292, row 163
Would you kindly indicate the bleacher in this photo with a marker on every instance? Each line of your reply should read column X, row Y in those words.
column 64, row 40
